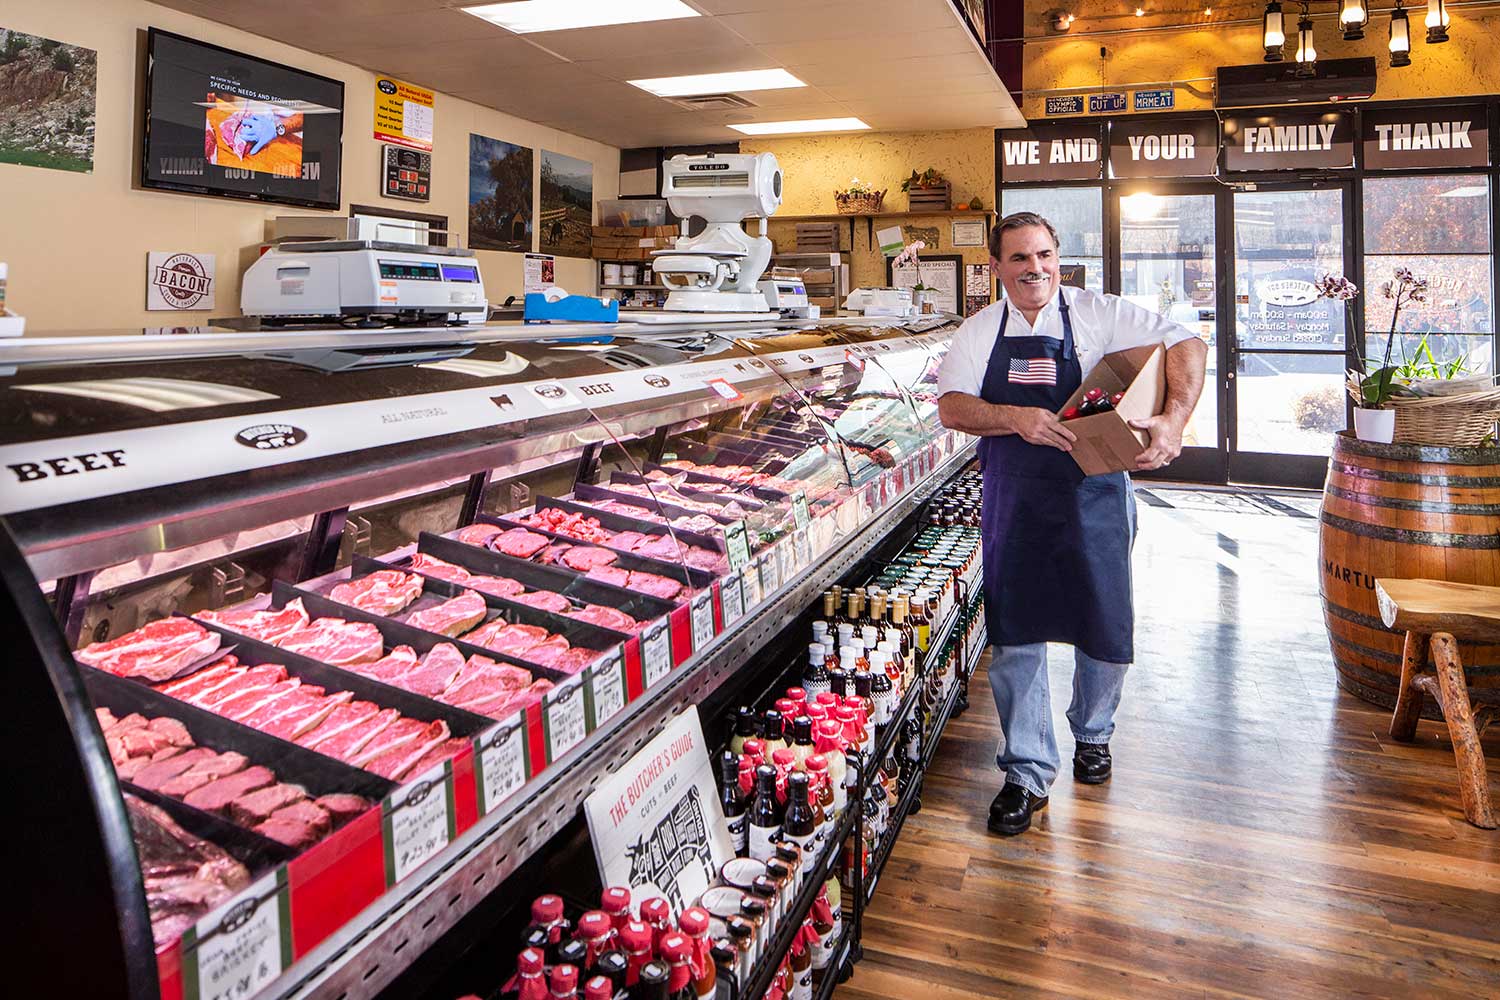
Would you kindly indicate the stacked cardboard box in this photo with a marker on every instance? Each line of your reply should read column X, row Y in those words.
column 632, row 242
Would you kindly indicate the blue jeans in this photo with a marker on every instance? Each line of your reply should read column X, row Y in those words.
column 1018, row 680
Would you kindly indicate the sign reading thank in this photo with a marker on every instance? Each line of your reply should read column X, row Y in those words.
column 1064, row 152
column 1448, row 136
column 1293, row 141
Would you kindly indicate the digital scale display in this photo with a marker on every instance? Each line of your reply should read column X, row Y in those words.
column 409, row 271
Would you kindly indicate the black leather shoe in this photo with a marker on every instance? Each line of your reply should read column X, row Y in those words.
column 1092, row 763
column 1011, row 811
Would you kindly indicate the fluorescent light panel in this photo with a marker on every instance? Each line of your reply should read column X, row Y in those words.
column 525, row 16
column 719, row 83
column 807, row 125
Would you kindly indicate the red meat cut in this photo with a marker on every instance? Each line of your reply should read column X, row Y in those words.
column 200, row 680
column 552, row 554
column 443, row 570
column 570, row 661
column 629, row 540
column 257, row 807
column 261, row 676
column 483, row 681
column 342, row 807
column 348, row 742
column 656, row 586
column 267, row 625
column 157, row 773
column 479, row 534
column 153, row 652
column 294, row 833
column 408, row 739
column 428, row 750
column 339, row 720
column 607, row 617
column 504, row 637
column 204, row 771
column 585, row 559
column 520, row 543
column 299, row 719
column 500, row 586
column 544, row 599
column 249, row 703
column 308, row 811
column 439, row 668
column 336, row 642
column 216, row 795
column 612, row 575
column 659, row 547
column 383, row 592
column 545, row 652
column 453, row 617
column 388, row 668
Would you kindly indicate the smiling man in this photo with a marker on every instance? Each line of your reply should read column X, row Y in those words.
column 1056, row 542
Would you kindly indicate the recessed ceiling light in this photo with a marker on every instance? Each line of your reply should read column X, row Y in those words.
column 719, row 83
column 807, row 125
column 523, row 16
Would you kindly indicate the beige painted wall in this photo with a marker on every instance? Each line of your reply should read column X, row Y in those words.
column 77, row 243
column 815, row 166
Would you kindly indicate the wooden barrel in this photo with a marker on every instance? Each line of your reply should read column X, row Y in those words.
column 1404, row 511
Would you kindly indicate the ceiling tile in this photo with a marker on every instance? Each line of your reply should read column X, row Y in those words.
column 895, row 45
column 430, row 28
column 650, row 65
column 840, row 21
column 660, row 37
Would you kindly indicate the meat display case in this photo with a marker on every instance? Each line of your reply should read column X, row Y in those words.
column 541, row 542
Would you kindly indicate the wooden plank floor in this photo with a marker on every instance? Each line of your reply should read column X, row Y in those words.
column 1261, row 837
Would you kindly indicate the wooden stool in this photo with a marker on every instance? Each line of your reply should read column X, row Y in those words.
column 1438, row 613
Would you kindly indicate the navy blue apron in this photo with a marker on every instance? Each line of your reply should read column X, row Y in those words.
column 1056, row 542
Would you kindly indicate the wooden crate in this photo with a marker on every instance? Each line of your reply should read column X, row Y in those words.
column 933, row 199
column 820, row 237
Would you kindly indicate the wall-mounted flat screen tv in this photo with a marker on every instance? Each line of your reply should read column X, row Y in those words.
column 220, row 122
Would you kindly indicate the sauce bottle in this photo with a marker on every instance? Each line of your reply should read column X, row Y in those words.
column 815, row 676
column 615, row 901
column 597, row 934
column 694, row 924
column 563, row 983
column 744, row 729
column 677, row 953
column 733, row 802
column 599, row 988
column 656, row 913
column 765, row 817
column 636, row 940
column 802, row 741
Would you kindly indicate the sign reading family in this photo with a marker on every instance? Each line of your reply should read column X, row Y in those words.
column 1449, row 136
column 1050, row 152
column 1288, row 142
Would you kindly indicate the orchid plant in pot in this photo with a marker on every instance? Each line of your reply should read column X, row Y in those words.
column 921, row 294
column 1372, row 386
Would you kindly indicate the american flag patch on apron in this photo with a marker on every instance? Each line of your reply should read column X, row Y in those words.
column 1033, row 371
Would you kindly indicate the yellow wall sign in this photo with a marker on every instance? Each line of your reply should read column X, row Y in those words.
column 403, row 114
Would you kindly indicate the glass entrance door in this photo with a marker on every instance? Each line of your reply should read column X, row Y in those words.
column 1288, row 353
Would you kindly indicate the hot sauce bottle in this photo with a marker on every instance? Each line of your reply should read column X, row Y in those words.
column 615, row 901
column 733, row 801
column 694, row 923
column 765, row 816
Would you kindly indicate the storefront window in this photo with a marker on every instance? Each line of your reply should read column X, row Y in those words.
column 1439, row 228
column 1284, row 241
column 1077, row 214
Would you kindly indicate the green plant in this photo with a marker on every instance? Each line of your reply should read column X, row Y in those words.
column 62, row 60
column 48, row 46
column 858, row 188
column 1322, row 409
column 15, row 44
column 928, row 178
column 1422, row 364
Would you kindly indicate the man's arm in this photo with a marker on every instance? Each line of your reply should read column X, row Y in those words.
column 960, row 411
column 1185, row 366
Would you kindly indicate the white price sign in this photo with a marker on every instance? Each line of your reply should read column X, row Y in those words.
column 703, row 619
column 800, row 511
column 750, row 584
column 607, row 687
column 787, row 553
column 565, row 717
column 770, row 573
column 500, row 755
column 656, row 650
column 737, row 545
column 732, row 593
column 418, row 823
column 235, row 951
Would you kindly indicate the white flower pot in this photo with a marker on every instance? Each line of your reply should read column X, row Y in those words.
column 1378, row 426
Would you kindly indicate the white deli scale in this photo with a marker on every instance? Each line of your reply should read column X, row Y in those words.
column 371, row 281
column 717, row 275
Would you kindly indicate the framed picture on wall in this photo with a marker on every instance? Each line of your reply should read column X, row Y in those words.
column 943, row 273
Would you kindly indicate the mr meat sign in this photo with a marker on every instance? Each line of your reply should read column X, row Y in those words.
column 656, row 823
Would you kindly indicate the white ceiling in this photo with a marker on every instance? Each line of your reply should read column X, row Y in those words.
column 899, row 65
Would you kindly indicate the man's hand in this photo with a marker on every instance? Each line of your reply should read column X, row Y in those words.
column 1166, row 441
column 1039, row 426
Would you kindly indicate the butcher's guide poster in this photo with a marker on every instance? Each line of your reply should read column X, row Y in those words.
column 656, row 823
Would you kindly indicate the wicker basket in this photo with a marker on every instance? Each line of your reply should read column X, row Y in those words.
column 1453, row 421
column 859, row 204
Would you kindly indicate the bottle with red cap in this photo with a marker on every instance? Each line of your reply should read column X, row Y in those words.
column 563, row 983
column 615, row 901
column 637, row 941
column 530, row 980
column 830, row 743
column 694, row 923
column 597, row 934
column 656, row 913
column 677, row 952
column 549, row 926
column 799, row 963
column 599, row 988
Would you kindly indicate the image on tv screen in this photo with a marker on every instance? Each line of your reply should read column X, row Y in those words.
column 220, row 122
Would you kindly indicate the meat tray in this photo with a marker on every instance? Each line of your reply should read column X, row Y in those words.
column 400, row 634
column 622, row 522
column 741, row 495
column 253, row 651
column 695, row 579
column 761, row 454
column 585, row 493
column 759, row 492
column 255, row 851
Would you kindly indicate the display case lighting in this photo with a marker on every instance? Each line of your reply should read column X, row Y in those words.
column 526, row 16
column 806, row 125
column 1437, row 21
column 1353, row 16
column 1273, row 32
column 1400, row 37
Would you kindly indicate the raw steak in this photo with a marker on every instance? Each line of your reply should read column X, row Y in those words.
column 248, row 703
column 659, row 547
column 629, row 540
column 105, row 718
column 479, row 534
column 607, row 617
column 503, row 704
column 257, row 677
column 267, row 626
column 383, row 592
column 216, row 795
column 342, row 807
column 406, row 737
column 520, row 543
column 289, row 830
column 398, row 763
column 544, row 599
column 569, row 523
column 584, row 559
column 500, row 586
column 656, row 586
column 204, row 771
column 336, row 642
column 182, row 784
column 339, row 720
column 701, row 523
column 388, row 668
column 142, row 742
column 504, row 637
column 309, row 812
column 701, row 558
column 570, row 661
column 184, row 875
column 432, row 566
column 453, row 617
column 612, row 575
column 153, row 652
column 347, row 743
column 305, row 714
column 158, row 773
column 200, row 680
column 257, row 807
column 480, row 684
column 545, row 652
column 175, row 732
column 553, row 554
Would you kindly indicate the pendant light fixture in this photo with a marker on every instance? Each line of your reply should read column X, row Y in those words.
column 1437, row 21
column 1307, row 54
column 1400, row 43
column 1353, row 16
column 1273, row 32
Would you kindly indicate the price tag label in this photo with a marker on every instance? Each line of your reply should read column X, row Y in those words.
column 235, row 951
column 418, row 823
column 565, row 717
column 501, row 758
column 787, row 553
column 872, row 497
column 703, row 619
column 800, row 512
column 737, row 545
column 656, row 650
column 770, row 573
column 721, row 387
column 732, row 593
column 607, row 687
column 750, row 584
column 802, row 545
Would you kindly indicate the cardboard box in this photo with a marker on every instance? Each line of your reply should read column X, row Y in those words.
column 1106, row 441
